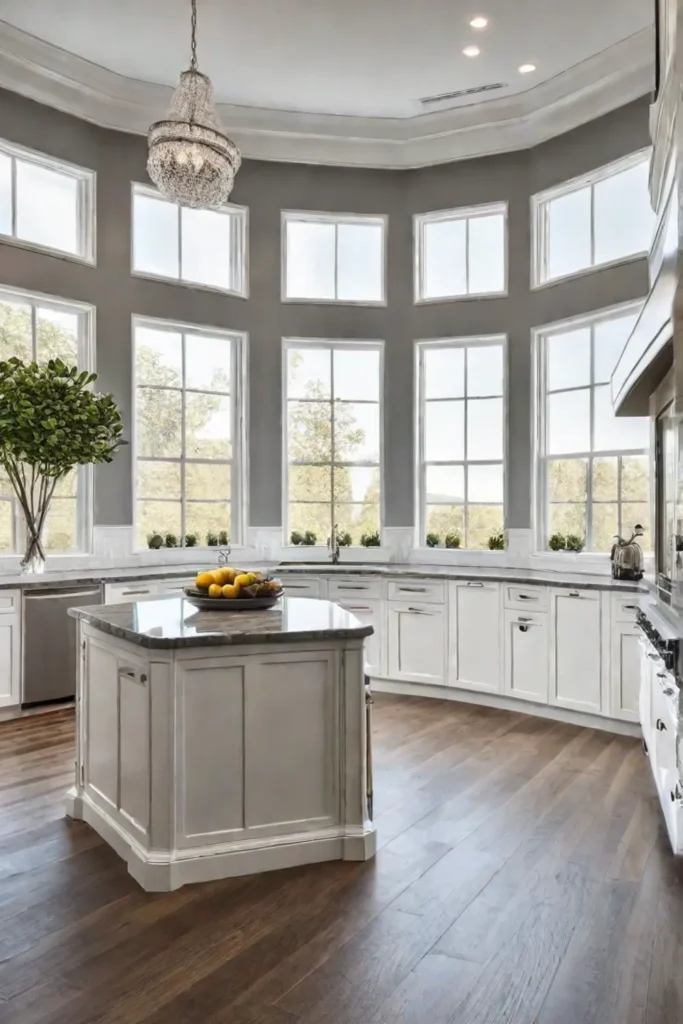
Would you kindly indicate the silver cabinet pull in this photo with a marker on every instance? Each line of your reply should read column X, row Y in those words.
column 129, row 593
column 418, row 611
column 350, row 586
column 413, row 590
column 574, row 593
column 630, row 607
column 473, row 583
column 527, row 597
column 357, row 608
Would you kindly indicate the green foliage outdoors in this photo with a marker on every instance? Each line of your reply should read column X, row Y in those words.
column 50, row 423
column 452, row 540
column 433, row 540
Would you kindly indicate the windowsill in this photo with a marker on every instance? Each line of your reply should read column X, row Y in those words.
column 461, row 298
column 634, row 258
column 46, row 250
column 195, row 286
column 333, row 302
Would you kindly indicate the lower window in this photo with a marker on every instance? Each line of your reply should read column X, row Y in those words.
column 189, row 435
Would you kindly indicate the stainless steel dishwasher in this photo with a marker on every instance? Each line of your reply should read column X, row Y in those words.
column 51, row 642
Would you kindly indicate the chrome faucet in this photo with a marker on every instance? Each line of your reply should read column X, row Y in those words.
column 333, row 545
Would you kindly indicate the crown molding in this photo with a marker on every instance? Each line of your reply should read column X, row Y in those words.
column 610, row 79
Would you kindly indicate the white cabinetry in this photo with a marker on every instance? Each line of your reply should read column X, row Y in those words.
column 369, row 612
column 526, row 656
column 576, row 663
column 10, row 648
column 475, row 636
column 417, row 643
column 625, row 671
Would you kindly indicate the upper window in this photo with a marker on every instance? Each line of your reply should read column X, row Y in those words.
column 593, row 466
column 460, row 253
column 583, row 223
column 333, row 441
column 35, row 327
column 333, row 258
column 460, row 440
column 46, row 203
column 189, row 430
column 199, row 247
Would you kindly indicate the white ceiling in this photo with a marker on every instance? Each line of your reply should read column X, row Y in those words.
column 364, row 58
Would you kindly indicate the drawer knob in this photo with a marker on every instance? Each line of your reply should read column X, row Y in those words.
column 660, row 725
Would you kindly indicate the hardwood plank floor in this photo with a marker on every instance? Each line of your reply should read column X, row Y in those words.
column 523, row 877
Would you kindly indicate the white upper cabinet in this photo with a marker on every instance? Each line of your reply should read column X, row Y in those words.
column 476, row 636
column 575, row 668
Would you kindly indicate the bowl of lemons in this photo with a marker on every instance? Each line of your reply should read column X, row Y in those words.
column 233, row 590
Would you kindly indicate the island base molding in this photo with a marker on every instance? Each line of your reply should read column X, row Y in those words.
column 503, row 703
column 164, row 872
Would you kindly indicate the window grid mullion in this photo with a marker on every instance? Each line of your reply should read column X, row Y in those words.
column 183, row 442
column 13, row 195
column 336, row 262
column 466, row 407
column 333, row 453
column 180, row 248
column 592, row 216
column 467, row 257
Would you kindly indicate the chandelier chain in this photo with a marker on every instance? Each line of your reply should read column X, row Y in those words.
column 193, row 61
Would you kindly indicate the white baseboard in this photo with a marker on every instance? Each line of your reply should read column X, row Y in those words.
column 493, row 700
column 163, row 871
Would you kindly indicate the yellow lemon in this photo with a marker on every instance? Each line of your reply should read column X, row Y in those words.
column 215, row 590
column 204, row 580
column 229, row 575
column 231, row 590
column 217, row 575
column 243, row 580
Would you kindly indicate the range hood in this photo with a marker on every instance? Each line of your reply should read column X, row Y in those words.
column 656, row 343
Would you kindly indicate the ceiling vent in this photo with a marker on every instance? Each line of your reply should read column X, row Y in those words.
column 427, row 101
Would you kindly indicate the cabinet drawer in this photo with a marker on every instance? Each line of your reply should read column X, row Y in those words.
column 353, row 587
column 174, row 586
column 432, row 592
column 123, row 593
column 529, row 598
column 300, row 586
column 9, row 601
column 624, row 608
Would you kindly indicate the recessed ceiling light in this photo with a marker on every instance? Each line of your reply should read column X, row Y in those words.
column 525, row 69
column 471, row 51
column 479, row 21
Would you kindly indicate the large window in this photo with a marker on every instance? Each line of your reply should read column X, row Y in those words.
column 333, row 258
column 461, row 388
column 199, row 247
column 46, row 203
column 460, row 253
column 189, row 430
column 601, row 218
column 593, row 467
column 35, row 327
column 333, row 438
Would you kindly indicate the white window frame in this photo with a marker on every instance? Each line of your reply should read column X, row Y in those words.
column 240, row 243
column 540, row 226
column 329, row 344
column 239, row 413
column 86, row 199
column 540, row 502
column 86, row 361
column 335, row 219
column 421, row 347
column 466, row 213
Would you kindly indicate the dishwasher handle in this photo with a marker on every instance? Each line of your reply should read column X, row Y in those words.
column 60, row 594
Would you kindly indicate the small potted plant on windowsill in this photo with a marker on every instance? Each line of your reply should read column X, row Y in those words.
column 497, row 541
column 432, row 540
column 452, row 541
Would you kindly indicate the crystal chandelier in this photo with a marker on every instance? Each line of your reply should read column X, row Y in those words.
column 191, row 160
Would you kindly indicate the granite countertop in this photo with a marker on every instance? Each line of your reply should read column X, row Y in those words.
column 173, row 622
column 541, row 577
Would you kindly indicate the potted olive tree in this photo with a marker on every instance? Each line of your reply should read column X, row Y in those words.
column 50, row 423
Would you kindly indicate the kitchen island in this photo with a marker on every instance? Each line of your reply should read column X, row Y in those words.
column 218, row 743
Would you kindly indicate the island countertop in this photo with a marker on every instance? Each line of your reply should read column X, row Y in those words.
column 173, row 622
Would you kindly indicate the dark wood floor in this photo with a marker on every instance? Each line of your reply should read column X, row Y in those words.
column 523, row 877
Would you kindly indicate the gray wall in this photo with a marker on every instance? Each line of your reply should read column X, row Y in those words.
column 267, row 188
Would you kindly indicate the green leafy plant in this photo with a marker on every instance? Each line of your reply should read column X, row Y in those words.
column 433, row 540
column 452, row 540
column 574, row 542
column 309, row 538
column 557, row 542
column 223, row 538
column 155, row 541
column 191, row 540
column 171, row 540
column 370, row 539
column 497, row 541
column 296, row 538
column 344, row 540
column 51, row 422
column 212, row 539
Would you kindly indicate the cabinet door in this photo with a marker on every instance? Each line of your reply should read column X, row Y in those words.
column 10, row 660
column 576, row 669
column 625, row 672
column 526, row 656
column 475, row 636
column 369, row 612
column 417, row 643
